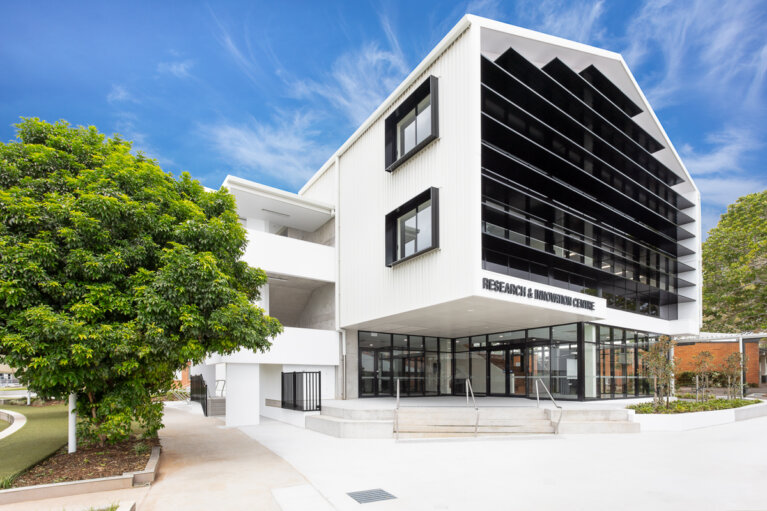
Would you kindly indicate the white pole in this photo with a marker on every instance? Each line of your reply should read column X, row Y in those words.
column 72, row 446
column 742, row 359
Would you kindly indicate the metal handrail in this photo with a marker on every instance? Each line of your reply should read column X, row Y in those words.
column 538, row 400
column 469, row 389
column 396, row 415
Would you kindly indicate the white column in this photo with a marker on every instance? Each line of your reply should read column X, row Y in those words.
column 72, row 443
column 263, row 302
column 243, row 395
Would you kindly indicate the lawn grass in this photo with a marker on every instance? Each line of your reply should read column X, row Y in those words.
column 43, row 434
column 4, row 425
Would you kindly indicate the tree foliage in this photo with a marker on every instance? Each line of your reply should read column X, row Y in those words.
column 114, row 274
column 735, row 268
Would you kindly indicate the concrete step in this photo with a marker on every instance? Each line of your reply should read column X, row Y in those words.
column 542, row 427
column 358, row 414
column 216, row 406
column 592, row 415
column 599, row 427
column 349, row 428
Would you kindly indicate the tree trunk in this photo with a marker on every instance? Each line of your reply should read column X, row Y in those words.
column 102, row 438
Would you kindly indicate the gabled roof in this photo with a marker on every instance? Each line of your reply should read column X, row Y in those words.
column 539, row 48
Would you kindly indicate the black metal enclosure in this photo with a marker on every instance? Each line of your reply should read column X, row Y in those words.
column 302, row 391
column 199, row 392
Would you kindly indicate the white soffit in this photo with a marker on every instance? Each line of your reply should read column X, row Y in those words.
column 540, row 49
column 475, row 315
column 262, row 202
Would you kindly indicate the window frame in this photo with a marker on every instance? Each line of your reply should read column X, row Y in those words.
column 428, row 88
column 391, row 220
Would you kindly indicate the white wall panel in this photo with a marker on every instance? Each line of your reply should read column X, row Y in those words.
column 368, row 288
column 289, row 256
column 323, row 188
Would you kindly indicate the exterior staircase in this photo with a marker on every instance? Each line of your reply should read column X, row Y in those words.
column 445, row 422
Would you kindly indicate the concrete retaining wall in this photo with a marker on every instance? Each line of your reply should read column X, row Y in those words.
column 49, row 491
column 695, row 420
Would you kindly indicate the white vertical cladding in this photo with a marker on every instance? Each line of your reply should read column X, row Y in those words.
column 368, row 288
column 692, row 312
column 323, row 188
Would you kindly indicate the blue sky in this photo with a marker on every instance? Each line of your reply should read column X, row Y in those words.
column 268, row 90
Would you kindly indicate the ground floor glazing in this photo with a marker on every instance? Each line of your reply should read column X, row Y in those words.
column 575, row 361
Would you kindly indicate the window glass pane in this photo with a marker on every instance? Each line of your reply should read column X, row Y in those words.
column 431, row 344
column 406, row 234
column 416, row 342
column 538, row 334
column 479, row 372
column 423, row 122
column 423, row 225
column 462, row 344
column 406, row 133
column 374, row 340
column 400, row 341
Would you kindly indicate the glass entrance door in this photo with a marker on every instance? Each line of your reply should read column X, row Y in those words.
column 498, row 371
column 538, row 368
column 516, row 373
column 368, row 373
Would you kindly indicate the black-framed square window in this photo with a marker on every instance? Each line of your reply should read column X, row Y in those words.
column 412, row 125
column 413, row 228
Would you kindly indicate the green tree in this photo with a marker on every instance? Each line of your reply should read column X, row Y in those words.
column 114, row 274
column 735, row 268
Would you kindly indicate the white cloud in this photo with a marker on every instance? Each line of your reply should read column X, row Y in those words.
column 119, row 93
column 359, row 80
column 730, row 147
column 578, row 21
column 245, row 61
column 712, row 47
column 487, row 8
column 179, row 69
column 286, row 148
column 722, row 191
column 126, row 127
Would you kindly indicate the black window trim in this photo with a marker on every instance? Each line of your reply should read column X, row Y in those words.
column 432, row 194
column 428, row 87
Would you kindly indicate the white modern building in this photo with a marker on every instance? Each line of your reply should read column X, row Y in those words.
column 512, row 211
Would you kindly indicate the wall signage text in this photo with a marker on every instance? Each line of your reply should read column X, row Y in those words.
column 500, row 286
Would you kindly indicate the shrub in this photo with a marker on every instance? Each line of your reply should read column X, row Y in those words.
column 692, row 406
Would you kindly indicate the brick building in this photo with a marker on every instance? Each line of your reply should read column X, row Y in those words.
column 721, row 346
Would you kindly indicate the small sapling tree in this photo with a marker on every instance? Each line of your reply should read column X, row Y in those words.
column 702, row 367
column 660, row 366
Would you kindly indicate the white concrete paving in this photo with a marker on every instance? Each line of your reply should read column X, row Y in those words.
column 717, row 468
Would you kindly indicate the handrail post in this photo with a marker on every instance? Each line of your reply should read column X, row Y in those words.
column 396, row 415
column 537, row 396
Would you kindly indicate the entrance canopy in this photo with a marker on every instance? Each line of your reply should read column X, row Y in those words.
column 473, row 315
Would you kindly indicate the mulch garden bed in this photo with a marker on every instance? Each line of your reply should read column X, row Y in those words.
column 89, row 462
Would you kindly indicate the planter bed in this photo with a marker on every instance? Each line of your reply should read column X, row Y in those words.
column 89, row 463
column 145, row 474
column 685, row 406
column 695, row 420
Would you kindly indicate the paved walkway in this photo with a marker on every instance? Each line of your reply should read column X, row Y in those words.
column 205, row 466
column 716, row 468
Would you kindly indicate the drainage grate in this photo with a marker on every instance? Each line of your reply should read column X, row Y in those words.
column 367, row 496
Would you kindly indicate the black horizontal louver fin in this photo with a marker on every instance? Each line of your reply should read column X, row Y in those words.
column 600, row 82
